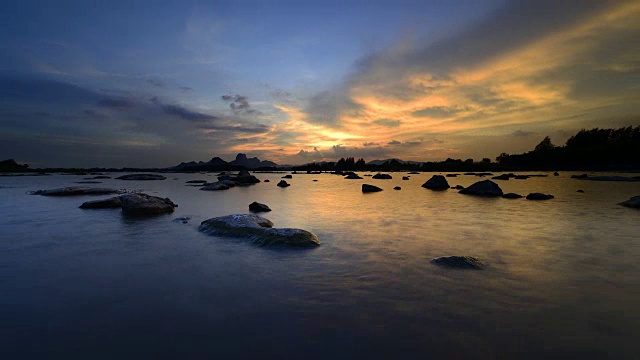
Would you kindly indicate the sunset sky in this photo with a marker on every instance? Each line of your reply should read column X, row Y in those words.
column 156, row 83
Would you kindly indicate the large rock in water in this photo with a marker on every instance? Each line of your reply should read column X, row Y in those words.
column 485, row 188
column 243, row 177
column 113, row 202
column 141, row 177
column 366, row 188
column 76, row 190
column 437, row 182
column 283, row 184
column 460, row 262
column 258, row 207
column 143, row 204
column 258, row 230
column 633, row 202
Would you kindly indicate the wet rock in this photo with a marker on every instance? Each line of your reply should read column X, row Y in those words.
column 512, row 196
column 141, row 177
column 143, row 204
column 76, row 190
column 97, row 177
column 258, row 230
column 479, row 174
column 633, row 202
column 196, row 182
column 258, row 207
column 87, row 182
column 539, row 196
column 366, row 188
column 437, row 182
column 501, row 177
column 459, row 262
column 287, row 177
column 243, row 177
column 405, row 178
column 458, row 187
column 283, row 184
column 382, row 176
column 397, row 188
column 485, row 188
column 113, row 202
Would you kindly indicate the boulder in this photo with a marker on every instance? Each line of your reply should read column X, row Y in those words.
column 76, row 190
column 633, row 202
column 539, row 196
column 113, row 202
column 459, row 262
column 382, row 176
column 258, row 230
column 437, row 182
column 486, row 188
column 405, row 178
column 353, row 176
column 287, row 177
column 267, row 180
column 283, row 184
column 143, row 204
column 512, row 196
column 258, row 207
column 501, row 177
column 397, row 188
column 141, row 177
column 366, row 188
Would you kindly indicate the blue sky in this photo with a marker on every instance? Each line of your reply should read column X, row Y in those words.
column 154, row 83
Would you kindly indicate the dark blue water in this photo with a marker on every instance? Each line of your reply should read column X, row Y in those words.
column 562, row 278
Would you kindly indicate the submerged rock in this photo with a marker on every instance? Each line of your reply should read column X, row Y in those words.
column 113, row 202
column 486, row 188
column 459, row 262
column 382, row 176
column 76, row 190
column 366, row 188
column 218, row 185
column 143, row 204
column 512, row 196
column 437, row 182
column 141, row 177
column 258, row 207
column 452, row 175
column 633, row 202
column 258, row 230
column 283, row 184
column 539, row 196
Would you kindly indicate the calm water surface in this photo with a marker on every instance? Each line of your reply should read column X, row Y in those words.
column 563, row 276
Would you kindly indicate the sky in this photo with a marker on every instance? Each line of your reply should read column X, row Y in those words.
column 156, row 83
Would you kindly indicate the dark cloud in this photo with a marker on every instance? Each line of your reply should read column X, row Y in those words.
column 239, row 103
column 394, row 142
column 45, row 91
column 156, row 83
column 388, row 122
column 238, row 128
column 187, row 114
column 327, row 106
column 521, row 133
column 185, row 89
column 280, row 94
column 116, row 103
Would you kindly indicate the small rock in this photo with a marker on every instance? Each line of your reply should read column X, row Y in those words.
column 366, row 188
column 382, row 176
column 287, row 177
column 141, row 177
column 87, row 182
column 580, row 191
column 512, row 196
column 501, row 177
column 182, row 219
column 258, row 207
column 283, row 184
column 196, row 182
column 458, row 187
column 582, row 176
column 539, row 196
column 267, row 180
column 315, row 180
column 556, row 174
column 405, row 178
column 353, row 176
column 459, row 262
column 521, row 177
column 397, row 188
column 452, row 175
column 633, row 202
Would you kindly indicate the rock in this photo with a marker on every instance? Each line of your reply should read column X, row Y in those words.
column 87, row 182
column 501, row 177
column 141, row 177
column 413, row 173
column 437, row 182
column 382, row 176
column 539, row 196
column 143, row 204
column 486, row 188
column 633, row 202
column 315, row 180
column 353, row 176
column 580, row 191
column 243, row 177
column 556, row 174
column 610, row 178
column 459, row 262
column 76, row 190
column 583, row 176
column 258, row 230
column 368, row 175
column 113, row 202
column 458, row 187
column 479, row 174
column 182, row 219
column 287, row 177
column 366, row 188
column 405, row 178
column 283, row 184
column 397, row 188
column 267, row 180
column 521, row 177
column 196, row 182
column 97, row 177
column 512, row 196
column 258, row 207
column 216, row 186
column 452, row 175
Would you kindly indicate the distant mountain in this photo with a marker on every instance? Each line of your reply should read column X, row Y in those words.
column 10, row 165
column 217, row 164
column 380, row 162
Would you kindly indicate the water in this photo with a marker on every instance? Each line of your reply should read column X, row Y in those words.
column 562, row 281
